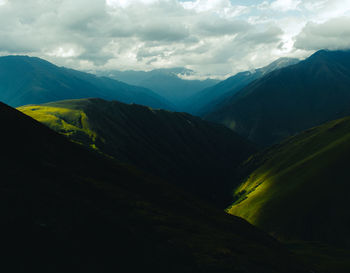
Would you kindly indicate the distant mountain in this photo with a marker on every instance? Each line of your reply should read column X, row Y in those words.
column 205, row 101
column 195, row 154
column 165, row 82
column 65, row 209
column 29, row 80
column 299, row 189
column 291, row 99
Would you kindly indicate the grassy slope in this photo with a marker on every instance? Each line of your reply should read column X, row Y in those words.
column 186, row 150
column 84, row 213
column 299, row 189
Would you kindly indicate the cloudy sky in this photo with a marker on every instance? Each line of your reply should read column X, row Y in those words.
column 212, row 37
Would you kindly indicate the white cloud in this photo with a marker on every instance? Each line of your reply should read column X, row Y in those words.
column 333, row 34
column 286, row 5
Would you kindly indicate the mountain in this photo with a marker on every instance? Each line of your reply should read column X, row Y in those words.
column 165, row 82
column 291, row 99
column 209, row 98
column 299, row 190
column 66, row 209
column 195, row 154
column 29, row 80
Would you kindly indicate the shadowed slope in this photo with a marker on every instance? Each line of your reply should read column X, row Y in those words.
column 291, row 99
column 210, row 98
column 64, row 209
column 198, row 155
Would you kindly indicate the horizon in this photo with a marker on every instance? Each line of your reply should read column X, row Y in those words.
column 189, row 77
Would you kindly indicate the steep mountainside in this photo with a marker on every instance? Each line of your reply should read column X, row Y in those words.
column 198, row 155
column 209, row 98
column 299, row 189
column 65, row 209
column 165, row 82
column 291, row 99
column 27, row 80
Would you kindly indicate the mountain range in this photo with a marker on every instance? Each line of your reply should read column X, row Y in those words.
column 208, row 99
column 169, row 83
column 30, row 80
column 289, row 100
column 65, row 208
column 199, row 156
column 93, row 184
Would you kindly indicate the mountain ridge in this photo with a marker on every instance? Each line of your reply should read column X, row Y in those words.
column 165, row 82
column 198, row 155
column 304, row 95
column 206, row 100
column 30, row 80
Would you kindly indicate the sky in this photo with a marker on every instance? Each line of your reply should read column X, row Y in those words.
column 214, row 38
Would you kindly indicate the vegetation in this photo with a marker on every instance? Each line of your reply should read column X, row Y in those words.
column 197, row 155
column 299, row 190
column 66, row 209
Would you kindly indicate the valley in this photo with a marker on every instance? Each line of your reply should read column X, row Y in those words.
column 257, row 183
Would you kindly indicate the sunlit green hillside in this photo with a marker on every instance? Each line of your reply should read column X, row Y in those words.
column 300, row 189
column 195, row 154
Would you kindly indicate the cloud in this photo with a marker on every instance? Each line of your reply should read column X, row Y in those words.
column 285, row 5
column 333, row 34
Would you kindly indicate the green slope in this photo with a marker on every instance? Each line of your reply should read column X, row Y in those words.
column 66, row 209
column 195, row 154
column 299, row 189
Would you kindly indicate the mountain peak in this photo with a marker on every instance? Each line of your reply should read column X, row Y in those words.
column 279, row 63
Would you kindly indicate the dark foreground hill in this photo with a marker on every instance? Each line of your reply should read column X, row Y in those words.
column 299, row 189
column 65, row 209
column 291, row 99
column 27, row 80
column 195, row 154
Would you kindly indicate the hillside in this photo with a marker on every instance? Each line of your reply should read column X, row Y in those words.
column 30, row 80
column 289, row 100
column 299, row 190
column 208, row 99
column 165, row 82
column 65, row 209
column 195, row 154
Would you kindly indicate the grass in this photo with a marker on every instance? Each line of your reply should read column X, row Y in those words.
column 177, row 147
column 70, row 122
column 299, row 189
